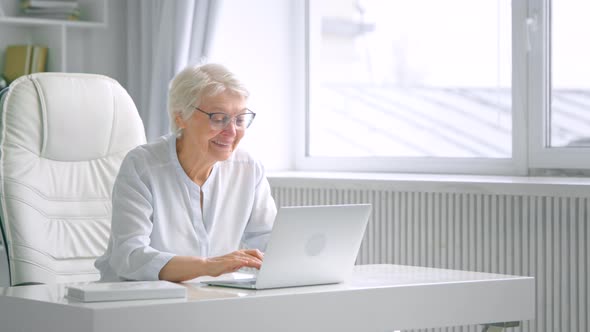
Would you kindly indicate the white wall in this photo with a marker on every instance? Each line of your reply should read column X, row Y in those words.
column 255, row 40
column 103, row 50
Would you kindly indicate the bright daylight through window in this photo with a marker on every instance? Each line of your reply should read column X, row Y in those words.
column 570, row 95
column 411, row 79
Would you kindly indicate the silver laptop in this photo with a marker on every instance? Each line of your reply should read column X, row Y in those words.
column 309, row 245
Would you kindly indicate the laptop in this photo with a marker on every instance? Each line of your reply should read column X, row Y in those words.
column 309, row 245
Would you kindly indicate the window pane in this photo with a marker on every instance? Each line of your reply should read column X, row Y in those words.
column 410, row 78
column 570, row 97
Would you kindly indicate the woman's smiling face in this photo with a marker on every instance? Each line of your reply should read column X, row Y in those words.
column 214, row 145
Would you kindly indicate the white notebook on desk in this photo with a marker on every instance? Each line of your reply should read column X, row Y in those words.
column 128, row 290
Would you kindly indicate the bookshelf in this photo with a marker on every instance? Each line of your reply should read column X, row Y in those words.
column 53, row 33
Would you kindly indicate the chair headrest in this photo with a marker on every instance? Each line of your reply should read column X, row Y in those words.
column 70, row 117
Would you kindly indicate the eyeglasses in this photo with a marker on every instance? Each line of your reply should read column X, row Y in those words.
column 218, row 121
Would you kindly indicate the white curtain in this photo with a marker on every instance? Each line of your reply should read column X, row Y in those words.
column 163, row 37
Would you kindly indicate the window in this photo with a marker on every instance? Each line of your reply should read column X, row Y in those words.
column 456, row 86
column 570, row 89
column 558, row 85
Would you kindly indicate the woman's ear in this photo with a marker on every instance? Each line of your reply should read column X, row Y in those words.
column 180, row 123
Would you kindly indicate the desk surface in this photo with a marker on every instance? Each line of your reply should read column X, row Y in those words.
column 376, row 298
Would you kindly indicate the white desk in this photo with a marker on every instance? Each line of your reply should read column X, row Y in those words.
column 376, row 298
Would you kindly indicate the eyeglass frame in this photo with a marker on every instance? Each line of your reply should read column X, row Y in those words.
column 210, row 115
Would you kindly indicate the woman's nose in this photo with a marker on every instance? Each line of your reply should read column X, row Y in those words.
column 231, row 126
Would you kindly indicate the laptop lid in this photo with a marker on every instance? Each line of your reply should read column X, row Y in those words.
column 311, row 245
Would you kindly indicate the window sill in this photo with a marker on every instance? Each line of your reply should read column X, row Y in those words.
column 566, row 186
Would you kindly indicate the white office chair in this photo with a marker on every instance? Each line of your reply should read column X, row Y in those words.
column 62, row 139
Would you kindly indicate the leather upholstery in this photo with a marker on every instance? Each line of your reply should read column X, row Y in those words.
column 62, row 139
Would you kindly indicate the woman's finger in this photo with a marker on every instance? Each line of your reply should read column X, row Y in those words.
column 254, row 252
column 253, row 262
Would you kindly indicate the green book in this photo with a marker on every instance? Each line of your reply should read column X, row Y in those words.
column 38, row 59
column 23, row 60
column 17, row 61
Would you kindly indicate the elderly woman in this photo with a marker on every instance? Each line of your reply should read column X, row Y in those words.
column 191, row 203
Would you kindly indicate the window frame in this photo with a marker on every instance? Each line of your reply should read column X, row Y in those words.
column 530, row 95
column 541, row 155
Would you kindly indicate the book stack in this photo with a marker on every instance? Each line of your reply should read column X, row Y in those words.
column 51, row 9
column 22, row 60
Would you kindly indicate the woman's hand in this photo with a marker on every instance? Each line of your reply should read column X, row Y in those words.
column 182, row 268
column 216, row 266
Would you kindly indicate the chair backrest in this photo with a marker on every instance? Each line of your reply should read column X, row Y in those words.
column 62, row 139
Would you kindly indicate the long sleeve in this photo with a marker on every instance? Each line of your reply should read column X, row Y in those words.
column 132, row 257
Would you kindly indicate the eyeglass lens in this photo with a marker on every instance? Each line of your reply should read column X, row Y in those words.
column 220, row 120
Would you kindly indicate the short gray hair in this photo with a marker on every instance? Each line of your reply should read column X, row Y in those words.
column 190, row 85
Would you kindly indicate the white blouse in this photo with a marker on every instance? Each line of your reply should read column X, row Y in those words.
column 157, row 213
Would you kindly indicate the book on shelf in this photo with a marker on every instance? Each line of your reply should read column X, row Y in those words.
column 22, row 60
column 56, row 16
column 63, row 4
column 40, row 11
column 39, row 59
column 49, row 9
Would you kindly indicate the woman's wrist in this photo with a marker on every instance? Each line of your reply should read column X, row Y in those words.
column 202, row 266
column 182, row 268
